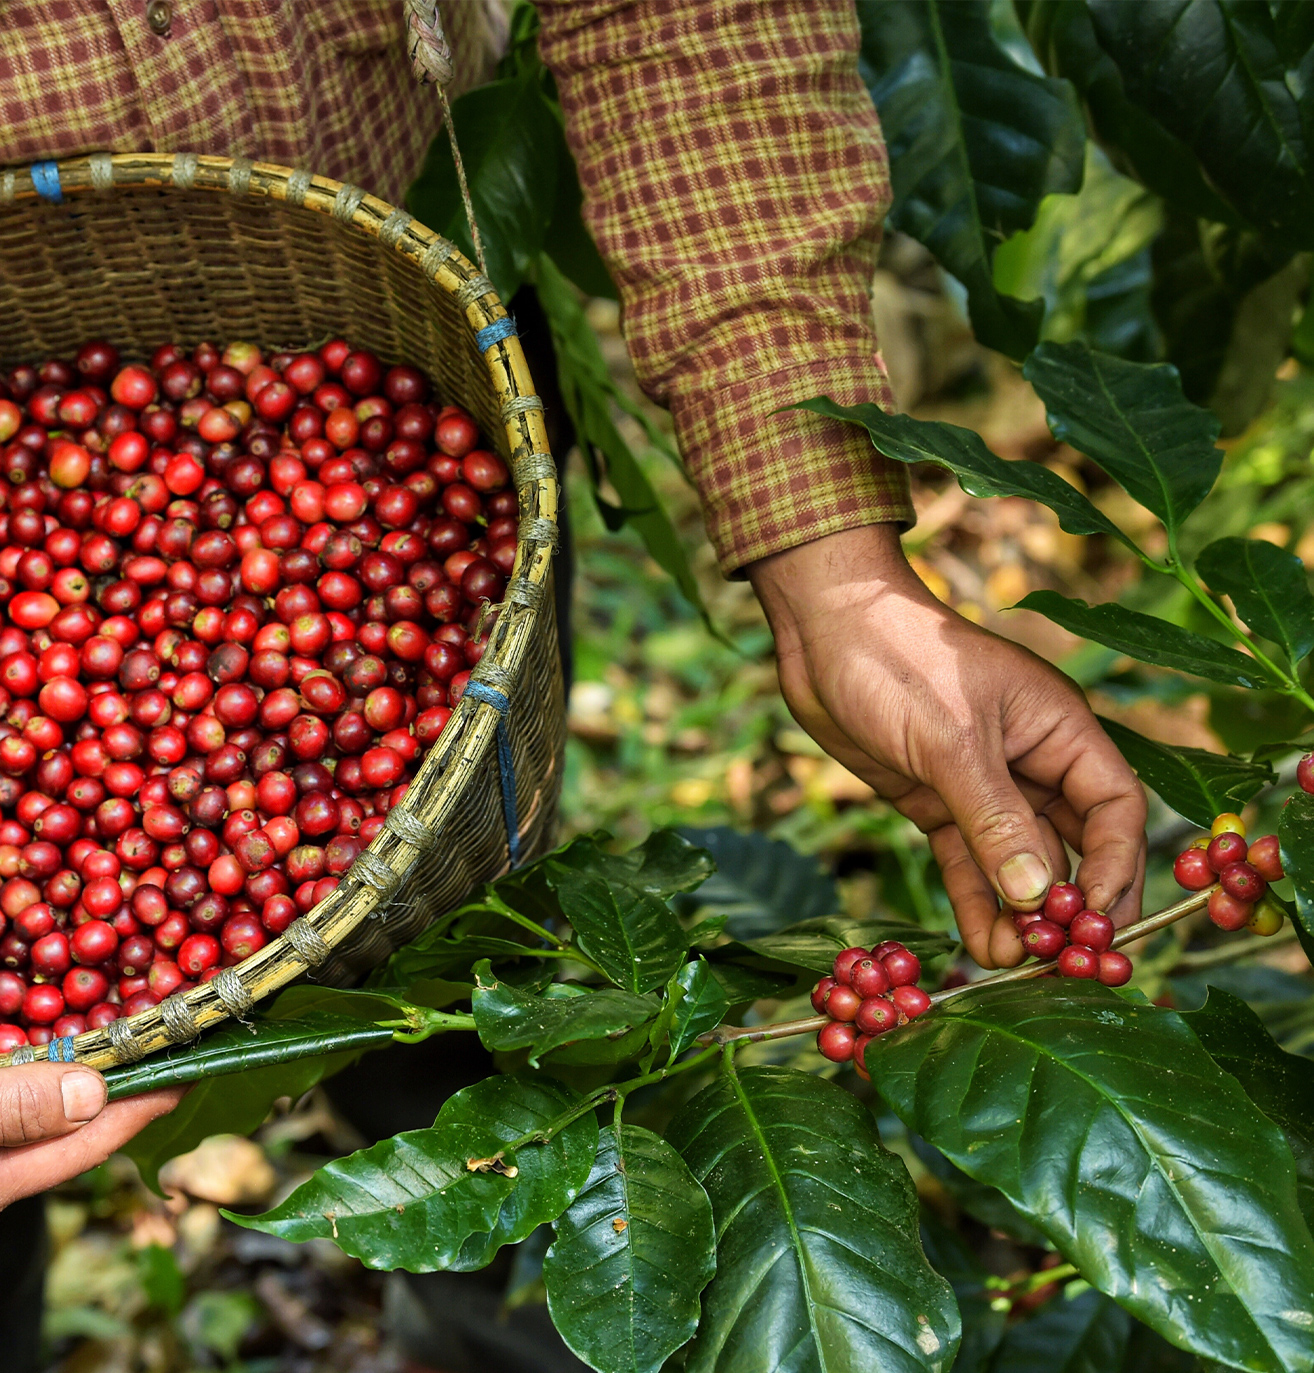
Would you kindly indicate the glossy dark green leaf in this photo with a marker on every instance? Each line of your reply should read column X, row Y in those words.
column 631, row 1255
column 238, row 1103
column 1231, row 80
column 1064, row 40
column 1197, row 784
column 1148, row 1167
column 1268, row 586
column 742, row 984
column 1296, row 835
column 549, row 1176
column 414, row 1201
column 760, row 885
column 1148, row 638
column 979, row 471
column 511, row 146
column 1279, row 1083
column 1133, row 420
column 1085, row 1334
column 819, row 1259
column 813, row 944
column 702, row 1007
column 616, row 904
column 588, row 393
column 975, row 143
column 508, row 1018
column 977, row 1199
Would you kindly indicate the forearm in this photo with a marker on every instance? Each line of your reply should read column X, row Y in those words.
column 736, row 182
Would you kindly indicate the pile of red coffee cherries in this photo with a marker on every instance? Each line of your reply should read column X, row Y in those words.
column 1080, row 939
column 238, row 598
column 869, row 991
column 1242, row 872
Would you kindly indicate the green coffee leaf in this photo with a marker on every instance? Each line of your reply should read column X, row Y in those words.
column 1228, row 79
column 1296, row 837
column 237, row 1103
column 1109, row 1127
column 631, row 1255
column 1133, row 420
column 1149, row 639
column 819, row 1259
column 813, row 944
column 1269, row 588
column 1197, row 784
column 702, row 1007
column 760, row 885
column 979, row 471
column 512, row 148
column 1279, row 1083
column 1082, row 1334
column 508, row 1018
column 616, row 904
column 416, row 1201
column 975, row 140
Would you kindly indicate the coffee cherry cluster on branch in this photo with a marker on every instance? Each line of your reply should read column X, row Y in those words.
column 1241, row 871
column 868, row 992
column 239, row 596
column 1080, row 939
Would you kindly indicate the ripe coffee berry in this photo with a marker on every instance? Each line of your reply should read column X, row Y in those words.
column 1115, row 968
column 1305, row 772
column 1242, row 881
column 1193, row 871
column 193, row 555
column 1076, row 961
column 1063, row 902
column 870, row 978
column 1265, row 856
column 842, row 969
column 1227, row 847
column 1043, row 939
column 836, row 1041
column 1092, row 930
column 842, row 1003
column 1227, row 911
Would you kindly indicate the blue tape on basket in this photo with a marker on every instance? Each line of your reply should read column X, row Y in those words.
column 61, row 1049
column 495, row 333
column 506, row 764
column 45, row 177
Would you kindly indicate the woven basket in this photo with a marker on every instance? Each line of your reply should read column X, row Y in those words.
column 147, row 248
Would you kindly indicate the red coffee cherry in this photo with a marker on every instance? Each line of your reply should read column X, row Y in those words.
column 902, row 966
column 876, row 1015
column 1092, row 929
column 842, row 1002
column 1063, row 902
column 1076, row 961
column 1115, row 968
column 1242, row 881
column 1265, row 856
column 912, row 1001
column 842, row 969
column 1305, row 772
column 1224, row 849
column 1043, row 939
column 1192, row 870
column 869, row 978
column 835, row 1042
column 1228, row 912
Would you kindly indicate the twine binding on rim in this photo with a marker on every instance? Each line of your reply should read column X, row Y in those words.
column 45, row 178
column 495, row 332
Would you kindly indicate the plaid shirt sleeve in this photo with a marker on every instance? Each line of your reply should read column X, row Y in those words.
column 736, row 181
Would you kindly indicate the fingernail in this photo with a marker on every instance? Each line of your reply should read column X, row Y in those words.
column 1023, row 877
column 84, row 1095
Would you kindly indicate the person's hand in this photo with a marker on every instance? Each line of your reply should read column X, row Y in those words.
column 990, row 751
column 54, row 1124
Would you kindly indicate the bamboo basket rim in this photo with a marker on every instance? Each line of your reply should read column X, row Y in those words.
column 471, row 732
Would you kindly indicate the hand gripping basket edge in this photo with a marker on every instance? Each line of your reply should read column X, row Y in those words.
column 144, row 248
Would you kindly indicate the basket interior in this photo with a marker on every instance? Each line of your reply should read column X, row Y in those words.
column 141, row 266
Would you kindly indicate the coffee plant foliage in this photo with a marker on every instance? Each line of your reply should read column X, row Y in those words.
column 729, row 1208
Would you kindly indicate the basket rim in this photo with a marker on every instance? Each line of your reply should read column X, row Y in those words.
column 470, row 734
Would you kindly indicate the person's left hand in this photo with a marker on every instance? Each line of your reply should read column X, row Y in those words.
column 55, row 1124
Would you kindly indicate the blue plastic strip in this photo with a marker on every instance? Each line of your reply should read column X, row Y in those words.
column 45, row 177
column 505, row 763
column 495, row 333
column 61, row 1049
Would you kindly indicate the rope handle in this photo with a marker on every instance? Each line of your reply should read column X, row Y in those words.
column 431, row 61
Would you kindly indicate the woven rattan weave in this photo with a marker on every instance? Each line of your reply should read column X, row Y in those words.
column 144, row 248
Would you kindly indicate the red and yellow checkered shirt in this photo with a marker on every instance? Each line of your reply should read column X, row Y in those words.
column 734, row 175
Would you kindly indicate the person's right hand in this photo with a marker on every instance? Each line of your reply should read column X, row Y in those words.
column 54, row 1124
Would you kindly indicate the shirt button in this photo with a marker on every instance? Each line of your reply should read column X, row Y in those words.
column 159, row 15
